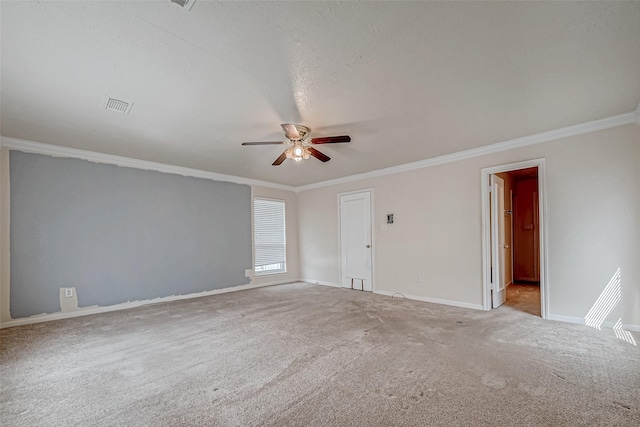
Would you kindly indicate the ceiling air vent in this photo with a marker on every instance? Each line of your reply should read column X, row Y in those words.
column 117, row 105
column 185, row 4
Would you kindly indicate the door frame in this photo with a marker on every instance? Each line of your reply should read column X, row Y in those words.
column 542, row 229
column 373, row 235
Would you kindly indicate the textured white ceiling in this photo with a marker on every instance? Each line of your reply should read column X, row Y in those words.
column 407, row 81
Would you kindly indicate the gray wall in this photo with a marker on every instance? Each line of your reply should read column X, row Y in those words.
column 120, row 234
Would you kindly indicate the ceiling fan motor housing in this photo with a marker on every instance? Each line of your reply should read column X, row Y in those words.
column 297, row 152
column 303, row 131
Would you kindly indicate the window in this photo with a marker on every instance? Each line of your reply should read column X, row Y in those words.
column 269, row 236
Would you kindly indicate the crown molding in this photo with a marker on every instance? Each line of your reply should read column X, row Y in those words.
column 59, row 151
column 565, row 132
column 579, row 129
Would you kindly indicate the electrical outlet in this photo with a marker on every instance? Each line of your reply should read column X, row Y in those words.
column 68, row 292
column 248, row 272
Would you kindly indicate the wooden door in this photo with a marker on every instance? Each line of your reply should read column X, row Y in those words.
column 526, row 237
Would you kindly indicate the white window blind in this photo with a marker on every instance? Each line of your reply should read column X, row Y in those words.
column 269, row 236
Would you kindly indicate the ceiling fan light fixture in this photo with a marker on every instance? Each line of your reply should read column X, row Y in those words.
column 298, row 152
column 290, row 152
column 304, row 152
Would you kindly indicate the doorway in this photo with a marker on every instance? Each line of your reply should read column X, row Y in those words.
column 514, row 244
column 356, row 241
column 522, row 253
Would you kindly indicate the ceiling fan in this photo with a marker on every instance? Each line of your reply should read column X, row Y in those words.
column 299, row 144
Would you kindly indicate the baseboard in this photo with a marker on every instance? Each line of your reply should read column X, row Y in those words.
column 625, row 326
column 39, row 318
column 272, row 283
column 320, row 282
column 566, row 319
column 508, row 284
column 433, row 300
column 580, row 321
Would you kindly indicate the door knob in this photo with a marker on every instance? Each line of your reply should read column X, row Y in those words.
column 368, row 246
column 506, row 246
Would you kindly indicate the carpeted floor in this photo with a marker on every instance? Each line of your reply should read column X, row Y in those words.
column 312, row 355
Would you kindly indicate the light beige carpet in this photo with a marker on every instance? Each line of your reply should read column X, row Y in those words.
column 311, row 355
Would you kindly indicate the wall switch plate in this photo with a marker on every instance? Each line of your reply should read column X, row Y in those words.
column 68, row 292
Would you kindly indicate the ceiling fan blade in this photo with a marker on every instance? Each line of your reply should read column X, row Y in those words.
column 290, row 131
column 280, row 159
column 331, row 139
column 263, row 143
column 318, row 155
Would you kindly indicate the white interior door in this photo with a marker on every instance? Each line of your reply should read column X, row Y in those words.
column 355, row 240
column 498, row 276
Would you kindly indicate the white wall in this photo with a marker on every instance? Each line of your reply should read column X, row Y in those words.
column 593, row 220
